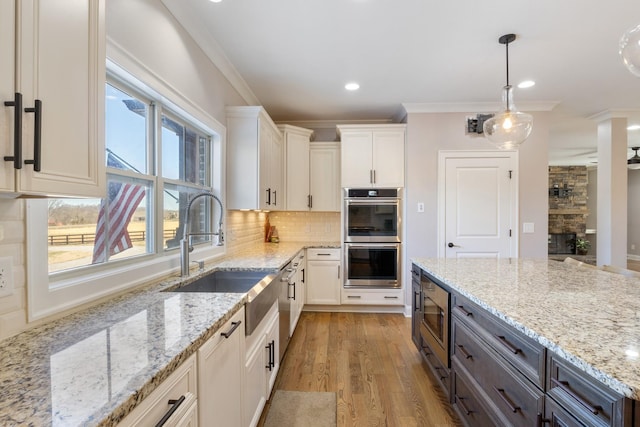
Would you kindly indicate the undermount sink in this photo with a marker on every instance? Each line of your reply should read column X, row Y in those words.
column 224, row 281
column 261, row 289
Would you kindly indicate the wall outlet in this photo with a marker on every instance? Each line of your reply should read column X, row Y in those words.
column 420, row 207
column 6, row 276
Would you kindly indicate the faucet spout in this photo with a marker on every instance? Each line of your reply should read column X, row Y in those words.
column 185, row 244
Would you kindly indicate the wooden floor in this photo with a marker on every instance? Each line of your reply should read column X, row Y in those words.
column 371, row 363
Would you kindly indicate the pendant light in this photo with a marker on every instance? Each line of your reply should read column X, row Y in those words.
column 634, row 162
column 508, row 128
column 630, row 49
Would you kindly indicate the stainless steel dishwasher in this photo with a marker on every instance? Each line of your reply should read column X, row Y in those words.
column 284, row 304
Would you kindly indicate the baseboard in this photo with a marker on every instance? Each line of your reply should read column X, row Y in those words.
column 356, row 308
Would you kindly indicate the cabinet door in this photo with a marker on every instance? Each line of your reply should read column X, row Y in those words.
column 220, row 365
column 272, row 339
column 265, row 196
column 276, row 170
column 255, row 379
column 297, row 166
column 324, row 177
column 388, row 158
column 357, row 159
column 62, row 63
column 7, row 91
column 323, row 282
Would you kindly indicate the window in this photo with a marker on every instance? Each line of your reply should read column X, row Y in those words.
column 159, row 154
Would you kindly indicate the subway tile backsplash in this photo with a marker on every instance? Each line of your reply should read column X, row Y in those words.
column 306, row 226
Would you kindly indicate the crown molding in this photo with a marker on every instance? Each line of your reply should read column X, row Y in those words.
column 620, row 113
column 475, row 107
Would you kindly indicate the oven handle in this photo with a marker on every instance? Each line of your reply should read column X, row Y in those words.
column 373, row 245
column 372, row 201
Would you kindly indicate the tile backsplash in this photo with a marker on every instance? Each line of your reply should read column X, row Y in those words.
column 306, row 226
column 13, row 308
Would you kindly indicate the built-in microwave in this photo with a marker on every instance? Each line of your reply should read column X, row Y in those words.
column 434, row 326
column 372, row 215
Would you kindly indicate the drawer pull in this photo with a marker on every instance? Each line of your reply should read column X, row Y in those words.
column 507, row 344
column 234, row 326
column 439, row 370
column 174, row 407
column 354, row 296
column 463, row 406
column 564, row 385
column 464, row 352
column 388, row 297
column 505, row 399
column 465, row 312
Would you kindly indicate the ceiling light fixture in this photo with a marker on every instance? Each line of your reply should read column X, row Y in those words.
column 352, row 86
column 526, row 84
column 508, row 128
column 630, row 49
column 634, row 162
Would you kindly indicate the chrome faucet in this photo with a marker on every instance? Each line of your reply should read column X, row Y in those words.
column 185, row 242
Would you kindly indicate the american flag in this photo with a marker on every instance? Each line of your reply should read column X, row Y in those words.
column 118, row 208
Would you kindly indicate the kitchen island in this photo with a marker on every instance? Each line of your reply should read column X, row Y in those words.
column 93, row 367
column 585, row 319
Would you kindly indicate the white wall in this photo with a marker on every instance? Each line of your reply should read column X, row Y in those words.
column 427, row 133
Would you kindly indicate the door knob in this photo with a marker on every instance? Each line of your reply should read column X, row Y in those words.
column 451, row 245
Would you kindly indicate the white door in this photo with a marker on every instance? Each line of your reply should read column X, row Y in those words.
column 479, row 205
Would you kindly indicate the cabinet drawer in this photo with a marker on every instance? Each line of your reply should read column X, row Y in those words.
column 180, row 385
column 468, row 405
column 589, row 401
column 513, row 397
column 332, row 254
column 372, row 297
column 441, row 373
column 524, row 353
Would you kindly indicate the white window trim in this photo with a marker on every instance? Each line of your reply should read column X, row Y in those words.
column 98, row 282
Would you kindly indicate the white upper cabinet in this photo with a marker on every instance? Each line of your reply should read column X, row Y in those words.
column 55, row 139
column 255, row 157
column 372, row 155
column 312, row 174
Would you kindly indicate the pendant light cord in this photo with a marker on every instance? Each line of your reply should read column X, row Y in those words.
column 506, row 45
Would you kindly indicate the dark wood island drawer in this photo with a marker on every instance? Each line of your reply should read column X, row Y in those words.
column 524, row 353
column 466, row 401
column 588, row 400
column 512, row 398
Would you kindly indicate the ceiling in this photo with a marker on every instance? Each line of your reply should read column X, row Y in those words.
column 295, row 57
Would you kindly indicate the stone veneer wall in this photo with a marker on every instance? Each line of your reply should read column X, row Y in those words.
column 569, row 214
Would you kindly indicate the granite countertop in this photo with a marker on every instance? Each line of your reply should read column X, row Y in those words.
column 586, row 316
column 92, row 367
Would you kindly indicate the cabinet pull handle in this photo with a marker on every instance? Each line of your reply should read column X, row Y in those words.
column 374, row 176
column 294, row 291
column 234, row 326
column 502, row 340
column 270, row 363
column 354, row 296
column 463, row 406
column 37, row 134
column 309, row 201
column 174, row 406
column 323, row 254
column 388, row 297
column 268, row 196
column 564, row 385
column 302, row 280
column 275, row 199
column 17, row 131
column 465, row 312
column 464, row 352
column 505, row 399
column 416, row 301
column 338, row 271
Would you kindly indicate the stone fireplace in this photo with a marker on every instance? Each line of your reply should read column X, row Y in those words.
column 567, row 207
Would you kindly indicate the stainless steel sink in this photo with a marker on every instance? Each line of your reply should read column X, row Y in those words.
column 262, row 291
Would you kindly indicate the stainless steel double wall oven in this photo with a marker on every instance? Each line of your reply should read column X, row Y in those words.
column 372, row 237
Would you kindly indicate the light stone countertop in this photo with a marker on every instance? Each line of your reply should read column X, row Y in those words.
column 91, row 368
column 586, row 316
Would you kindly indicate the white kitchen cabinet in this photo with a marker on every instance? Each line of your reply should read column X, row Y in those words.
column 372, row 155
column 255, row 159
column 177, row 393
column 323, row 276
column 372, row 297
column 261, row 365
column 296, row 149
column 220, row 375
column 324, row 176
column 297, row 290
column 54, row 66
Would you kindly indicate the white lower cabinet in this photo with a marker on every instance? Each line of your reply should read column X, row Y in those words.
column 372, row 297
column 323, row 281
column 220, row 365
column 297, row 290
column 174, row 401
column 261, row 365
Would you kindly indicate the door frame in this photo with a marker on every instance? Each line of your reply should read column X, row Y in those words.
column 512, row 155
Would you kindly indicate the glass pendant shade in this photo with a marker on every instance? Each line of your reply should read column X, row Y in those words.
column 634, row 162
column 508, row 128
column 630, row 50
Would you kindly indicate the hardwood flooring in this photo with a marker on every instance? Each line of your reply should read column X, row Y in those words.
column 370, row 361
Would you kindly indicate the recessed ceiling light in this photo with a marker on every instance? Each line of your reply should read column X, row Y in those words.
column 352, row 86
column 633, row 127
column 215, row 1
column 525, row 84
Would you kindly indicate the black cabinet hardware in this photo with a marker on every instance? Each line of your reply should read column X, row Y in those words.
column 505, row 399
column 174, row 406
column 502, row 340
column 564, row 385
column 37, row 134
column 17, row 131
column 234, row 326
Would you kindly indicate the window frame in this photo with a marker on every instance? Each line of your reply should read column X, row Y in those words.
column 48, row 295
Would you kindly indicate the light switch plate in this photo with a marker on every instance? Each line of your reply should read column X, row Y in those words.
column 6, row 276
column 528, row 227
